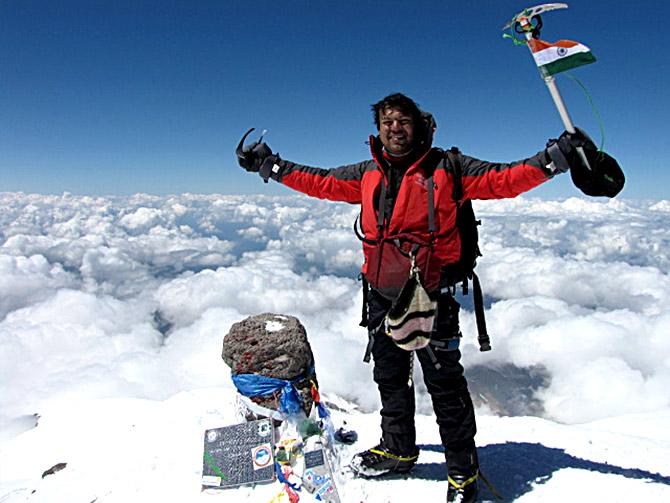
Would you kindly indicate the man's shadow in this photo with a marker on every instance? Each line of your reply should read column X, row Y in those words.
column 513, row 467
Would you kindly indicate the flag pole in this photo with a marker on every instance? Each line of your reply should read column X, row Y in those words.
column 550, row 81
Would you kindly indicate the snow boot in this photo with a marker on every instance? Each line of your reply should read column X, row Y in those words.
column 463, row 472
column 380, row 460
column 462, row 488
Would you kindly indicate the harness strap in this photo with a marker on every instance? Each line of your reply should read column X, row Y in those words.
column 446, row 345
column 432, row 357
column 371, row 341
column 483, row 337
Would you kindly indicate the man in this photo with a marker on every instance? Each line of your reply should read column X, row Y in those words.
column 395, row 194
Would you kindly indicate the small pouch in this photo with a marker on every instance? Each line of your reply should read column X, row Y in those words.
column 411, row 319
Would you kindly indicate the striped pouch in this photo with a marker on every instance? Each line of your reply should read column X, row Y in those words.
column 411, row 318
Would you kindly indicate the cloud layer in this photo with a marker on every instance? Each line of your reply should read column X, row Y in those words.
column 131, row 297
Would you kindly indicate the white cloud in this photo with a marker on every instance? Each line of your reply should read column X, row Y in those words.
column 75, row 343
column 142, row 219
column 132, row 296
column 26, row 280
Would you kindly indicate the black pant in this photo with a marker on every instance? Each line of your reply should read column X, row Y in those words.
column 447, row 386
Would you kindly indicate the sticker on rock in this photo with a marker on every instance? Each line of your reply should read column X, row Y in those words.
column 262, row 456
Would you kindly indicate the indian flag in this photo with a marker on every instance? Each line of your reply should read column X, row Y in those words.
column 559, row 56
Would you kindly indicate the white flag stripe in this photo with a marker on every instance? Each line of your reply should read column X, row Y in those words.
column 554, row 53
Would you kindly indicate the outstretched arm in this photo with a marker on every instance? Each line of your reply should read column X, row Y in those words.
column 336, row 184
column 490, row 180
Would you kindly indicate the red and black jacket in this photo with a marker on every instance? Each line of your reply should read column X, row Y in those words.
column 361, row 183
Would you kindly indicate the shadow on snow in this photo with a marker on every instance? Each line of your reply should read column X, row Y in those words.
column 513, row 467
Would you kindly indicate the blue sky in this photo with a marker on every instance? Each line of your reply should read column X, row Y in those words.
column 119, row 97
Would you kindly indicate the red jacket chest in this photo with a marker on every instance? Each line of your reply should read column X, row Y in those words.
column 411, row 209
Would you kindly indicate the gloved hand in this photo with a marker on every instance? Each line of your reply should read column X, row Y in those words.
column 256, row 157
column 253, row 156
column 603, row 175
column 563, row 152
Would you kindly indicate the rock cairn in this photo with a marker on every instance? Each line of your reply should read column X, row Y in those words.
column 272, row 345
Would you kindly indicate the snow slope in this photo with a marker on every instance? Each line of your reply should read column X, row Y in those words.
column 121, row 450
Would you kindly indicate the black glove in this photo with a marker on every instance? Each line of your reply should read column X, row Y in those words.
column 253, row 156
column 256, row 157
column 563, row 152
column 603, row 175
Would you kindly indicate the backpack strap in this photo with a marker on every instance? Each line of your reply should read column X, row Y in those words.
column 381, row 210
column 457, row 191
column 431, row 207
column 482, row 337
column 365, row 319
column 453, row 156
column 429, row 169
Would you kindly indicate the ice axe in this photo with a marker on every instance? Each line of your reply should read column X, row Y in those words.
column 528, row 22
column 240, row 147
column 600, row 174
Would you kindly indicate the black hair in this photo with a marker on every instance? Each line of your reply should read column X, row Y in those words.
column 399, row 102
column 424, row 123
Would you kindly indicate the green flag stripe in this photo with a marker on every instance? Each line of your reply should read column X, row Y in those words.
column 561, row 65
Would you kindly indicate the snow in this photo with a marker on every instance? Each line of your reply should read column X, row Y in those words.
column 125, row 449
column 273, row 326
column 113, row 310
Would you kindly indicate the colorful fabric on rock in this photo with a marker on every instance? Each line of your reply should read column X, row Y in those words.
column 256, row 385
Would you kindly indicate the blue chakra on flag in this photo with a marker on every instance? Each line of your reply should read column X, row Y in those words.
column 562, row 51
